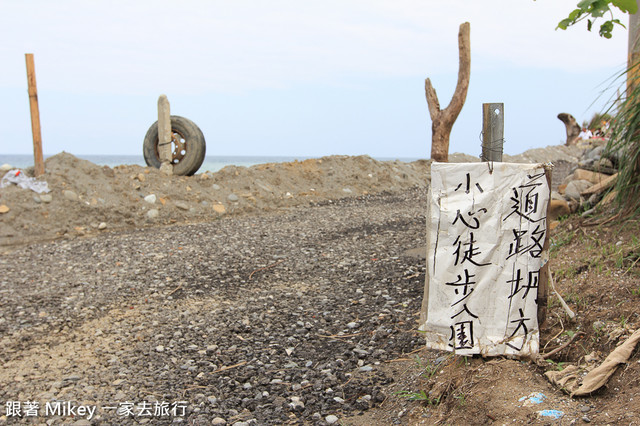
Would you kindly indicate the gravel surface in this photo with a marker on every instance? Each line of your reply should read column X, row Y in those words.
column 282, row 317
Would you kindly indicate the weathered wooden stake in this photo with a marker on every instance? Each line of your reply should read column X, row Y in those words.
column 492, row 132
column 38, row 159
column 164, row 135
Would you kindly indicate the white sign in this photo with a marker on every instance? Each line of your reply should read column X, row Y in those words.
column 486, row 227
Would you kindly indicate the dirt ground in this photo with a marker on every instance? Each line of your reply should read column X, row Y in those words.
column 596, row 266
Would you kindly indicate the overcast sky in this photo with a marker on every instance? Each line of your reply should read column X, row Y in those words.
column 295, row 78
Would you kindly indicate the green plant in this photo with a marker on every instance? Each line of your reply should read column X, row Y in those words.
column 561, row 240
column 556, row 365
column 462, row 399
column 592, row 10
column 418, row 396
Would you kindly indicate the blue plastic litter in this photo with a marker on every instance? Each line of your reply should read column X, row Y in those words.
column 555, row 414
column 534, row 398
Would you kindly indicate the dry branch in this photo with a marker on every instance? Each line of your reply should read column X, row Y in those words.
column 442, row 120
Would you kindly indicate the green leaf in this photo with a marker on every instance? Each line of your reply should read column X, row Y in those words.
column 605, row 29
column 627, row 6
column 584, row 4
column 564, row 24
column 599, row 8
column 575, row 14
column 589, row 24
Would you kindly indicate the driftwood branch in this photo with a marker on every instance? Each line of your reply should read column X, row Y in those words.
column 442, row 120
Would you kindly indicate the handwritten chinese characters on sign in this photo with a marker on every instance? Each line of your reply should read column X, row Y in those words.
column 485, row 235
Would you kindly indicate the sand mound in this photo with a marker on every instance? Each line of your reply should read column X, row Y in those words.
column 86, row 198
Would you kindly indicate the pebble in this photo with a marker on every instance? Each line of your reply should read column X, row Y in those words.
column 151, row 198
column 159, row 348
column 232, row 197
column 182, row 205
column 70, row 195
column 46, row 198
column 4, row 209
column 153, row 213
column 331, row 419
column 102, row 225
column 218, row 421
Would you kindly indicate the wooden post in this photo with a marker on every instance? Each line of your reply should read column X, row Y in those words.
column 543, row 277
column 164, row 135
column 38, row 159
column 492, row 132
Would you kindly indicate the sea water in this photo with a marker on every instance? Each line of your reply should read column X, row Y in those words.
column 211, row 163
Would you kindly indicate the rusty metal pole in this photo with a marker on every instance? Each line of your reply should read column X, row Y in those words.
column 38, row 159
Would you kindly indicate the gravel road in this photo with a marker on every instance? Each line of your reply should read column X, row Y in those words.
column 272, row 318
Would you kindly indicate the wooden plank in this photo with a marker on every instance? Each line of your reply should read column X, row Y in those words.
column 610, row 181
column 38, row 158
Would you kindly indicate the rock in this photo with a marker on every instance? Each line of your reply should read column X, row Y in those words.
column 593, row 177
column 558, row 208
column 46, row 198
column 182, row 205
column 159, row 348
column 151, row 198
column 215, row 187
column 102, row 226
column 331, row 419
column 5, row 168
column 141, row 177
column 555, row 195
column 4, row 209
column 575, row 188
column 604, row 163
column 70, row 195
column 296, row 404
column 232, row 197
column 219, row 208
column 218, row 421
column 153, row 213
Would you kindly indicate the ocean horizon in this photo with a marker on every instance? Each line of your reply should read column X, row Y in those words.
column 210, row 164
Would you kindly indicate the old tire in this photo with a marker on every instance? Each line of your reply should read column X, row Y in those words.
column 187, row 146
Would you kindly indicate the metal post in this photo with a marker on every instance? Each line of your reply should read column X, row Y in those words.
column 492, row 132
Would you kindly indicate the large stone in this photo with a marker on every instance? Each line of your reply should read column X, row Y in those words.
column 70, row 195
column 593, row 177
column 575, row 188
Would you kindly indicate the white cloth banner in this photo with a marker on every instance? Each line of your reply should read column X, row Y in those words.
column 486, row 227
